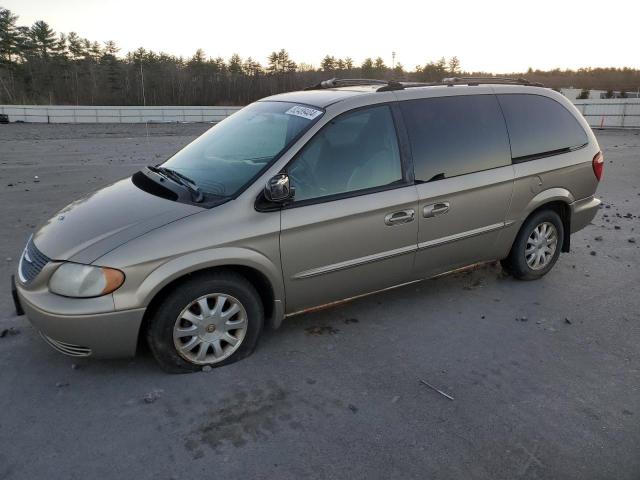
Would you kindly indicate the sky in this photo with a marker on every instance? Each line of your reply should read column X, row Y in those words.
column 495, row 36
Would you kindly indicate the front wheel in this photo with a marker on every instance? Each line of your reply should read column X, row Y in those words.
column 537, row 246
column 211, row 320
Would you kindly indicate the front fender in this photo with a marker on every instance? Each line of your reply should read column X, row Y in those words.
column 177, row 267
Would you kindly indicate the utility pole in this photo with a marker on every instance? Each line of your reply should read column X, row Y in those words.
column 393, row 60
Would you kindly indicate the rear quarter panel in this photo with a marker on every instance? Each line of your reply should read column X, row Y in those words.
column 566, row 177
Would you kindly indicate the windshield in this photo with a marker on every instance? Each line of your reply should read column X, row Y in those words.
column 224, row 159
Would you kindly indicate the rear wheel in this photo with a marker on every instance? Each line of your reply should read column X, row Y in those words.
column 210, row 320
column 537, row 246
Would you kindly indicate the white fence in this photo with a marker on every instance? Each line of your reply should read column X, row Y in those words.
column 611, row 112
column 82, row 114
column 605, row 113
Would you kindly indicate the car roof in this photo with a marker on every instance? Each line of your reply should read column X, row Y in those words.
column 322, row 98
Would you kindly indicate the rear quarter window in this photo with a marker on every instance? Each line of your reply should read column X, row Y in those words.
column 455, row 135
column 539, row 126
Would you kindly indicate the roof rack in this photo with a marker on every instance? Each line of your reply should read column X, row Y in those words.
column 350, row 82
column 489, row 80
column 389, row 85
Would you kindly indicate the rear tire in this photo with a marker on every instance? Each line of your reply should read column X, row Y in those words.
column 210, row 320
column 537, row 246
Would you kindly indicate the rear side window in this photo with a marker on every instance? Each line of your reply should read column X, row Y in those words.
column 452, row 136
column 539, row 126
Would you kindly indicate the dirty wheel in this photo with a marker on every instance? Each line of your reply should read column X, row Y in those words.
column 210, row 320
column 537, row 246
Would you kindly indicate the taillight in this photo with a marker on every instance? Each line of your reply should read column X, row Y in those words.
column 598, row 165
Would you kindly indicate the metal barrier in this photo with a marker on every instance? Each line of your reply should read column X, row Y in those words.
column 611, row 112
column 604, row 113
column 105, row 114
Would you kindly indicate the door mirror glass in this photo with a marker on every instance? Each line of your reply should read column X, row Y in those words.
column 278, row 189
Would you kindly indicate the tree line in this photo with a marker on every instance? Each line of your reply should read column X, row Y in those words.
column 40, row 66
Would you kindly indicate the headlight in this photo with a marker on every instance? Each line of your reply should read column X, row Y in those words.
column 76, row 280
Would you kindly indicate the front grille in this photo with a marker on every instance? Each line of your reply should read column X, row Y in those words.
column 67, row 348
column 32, row 262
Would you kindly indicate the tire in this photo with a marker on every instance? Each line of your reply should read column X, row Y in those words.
column 518, row 263
column 220, row 304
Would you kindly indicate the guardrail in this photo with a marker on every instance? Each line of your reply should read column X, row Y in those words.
column 611, row 112
column 604, row 113
column 117, row 114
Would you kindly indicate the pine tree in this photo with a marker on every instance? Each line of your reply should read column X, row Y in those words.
column 328, row 63
column 235, row 64
column 367, row 67
column 9, row 36
column 43, row 39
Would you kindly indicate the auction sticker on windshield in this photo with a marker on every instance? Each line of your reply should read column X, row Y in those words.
column 304, row 112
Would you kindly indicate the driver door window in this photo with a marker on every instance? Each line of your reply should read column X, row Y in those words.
column 355, row 151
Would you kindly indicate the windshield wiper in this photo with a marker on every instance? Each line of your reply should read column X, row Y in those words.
column 196, row 194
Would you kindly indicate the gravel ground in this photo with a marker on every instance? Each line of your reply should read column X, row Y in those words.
column 544, row 374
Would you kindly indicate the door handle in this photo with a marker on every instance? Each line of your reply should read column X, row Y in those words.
column 435, row 209
column 397, row 218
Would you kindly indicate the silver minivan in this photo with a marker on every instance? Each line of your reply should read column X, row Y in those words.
column 308, row 198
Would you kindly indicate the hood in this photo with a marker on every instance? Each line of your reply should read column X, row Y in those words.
column 92, row 226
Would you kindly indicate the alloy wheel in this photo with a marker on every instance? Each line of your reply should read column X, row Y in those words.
column 210, row 329
column 541, row 246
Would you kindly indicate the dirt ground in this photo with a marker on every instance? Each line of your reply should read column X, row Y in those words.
column 545, row 375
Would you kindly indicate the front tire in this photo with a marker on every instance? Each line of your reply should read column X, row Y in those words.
column 537, row 246
column 210, row 320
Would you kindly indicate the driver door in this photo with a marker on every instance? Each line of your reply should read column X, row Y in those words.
column 352, row 226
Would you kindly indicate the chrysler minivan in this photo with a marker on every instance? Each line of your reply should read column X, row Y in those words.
column 305, row 199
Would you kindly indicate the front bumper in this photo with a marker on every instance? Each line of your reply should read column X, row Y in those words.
column 582, row 212
column 101, row 335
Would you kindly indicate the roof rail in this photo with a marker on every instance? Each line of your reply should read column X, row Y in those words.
column 389, row 85
column 352, row 82
column 489, row 80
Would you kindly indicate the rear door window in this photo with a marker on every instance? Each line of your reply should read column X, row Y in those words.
column 539, row 126
column 456, row 135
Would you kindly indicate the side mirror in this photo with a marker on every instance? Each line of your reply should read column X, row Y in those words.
column 278, row 189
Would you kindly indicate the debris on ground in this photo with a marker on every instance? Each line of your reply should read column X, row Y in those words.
column 477, row 283
column 152, row 396
column 522, row 319
column 36, row 178
column 62, row 384
column 75, row 366
column 353, row 408
column 598, row 238
column 351, row 320
column 395, row 399
column 436, row 389
column 321, row 330
column 207, row 368
column 592, row 253
column 9, row 332
column 632, row 240
column 567, row 321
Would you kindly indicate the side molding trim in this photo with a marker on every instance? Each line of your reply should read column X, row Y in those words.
column 355, row 262
column 313, row 272
column 463, row 235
